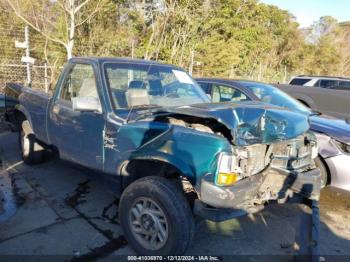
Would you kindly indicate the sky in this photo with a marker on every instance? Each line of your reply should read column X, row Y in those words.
column 309, row 11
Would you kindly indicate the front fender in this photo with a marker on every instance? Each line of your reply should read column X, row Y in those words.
column 193, row 153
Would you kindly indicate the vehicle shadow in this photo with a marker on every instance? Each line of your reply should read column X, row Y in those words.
column 277, row 233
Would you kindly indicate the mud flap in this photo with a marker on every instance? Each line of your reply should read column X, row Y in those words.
column 307, row 237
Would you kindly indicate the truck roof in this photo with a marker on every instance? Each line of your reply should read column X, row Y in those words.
column 321, row 76
column 101, row 60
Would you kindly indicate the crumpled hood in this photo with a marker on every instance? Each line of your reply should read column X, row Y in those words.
column 249, row 122
column 336, row 128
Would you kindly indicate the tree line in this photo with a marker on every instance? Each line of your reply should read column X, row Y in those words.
column 224, row 38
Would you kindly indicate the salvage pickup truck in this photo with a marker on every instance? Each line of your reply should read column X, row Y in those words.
column 151, row 127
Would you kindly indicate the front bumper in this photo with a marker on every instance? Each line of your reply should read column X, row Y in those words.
column 250, row 194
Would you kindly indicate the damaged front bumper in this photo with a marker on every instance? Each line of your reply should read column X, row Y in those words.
column 251, row 194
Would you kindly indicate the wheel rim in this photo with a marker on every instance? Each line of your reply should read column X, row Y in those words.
column 323, row 170
column 148, row 223
column 323, row 179
column 25, row 144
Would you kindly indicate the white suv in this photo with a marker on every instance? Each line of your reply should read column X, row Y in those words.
column 321, row 81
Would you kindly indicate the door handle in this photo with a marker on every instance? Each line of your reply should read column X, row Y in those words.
column 56, row 109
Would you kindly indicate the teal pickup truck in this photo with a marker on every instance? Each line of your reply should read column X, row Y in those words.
column 150, row 126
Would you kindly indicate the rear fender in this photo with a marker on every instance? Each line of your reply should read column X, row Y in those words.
column 22, row 110
column 306, row 100
column 16, row 116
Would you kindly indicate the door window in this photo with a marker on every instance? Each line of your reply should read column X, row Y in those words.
column 327, row 83
column 221, row 93
column 345, row 85
column 205, row 87
column 80, row 82
column 299, row 81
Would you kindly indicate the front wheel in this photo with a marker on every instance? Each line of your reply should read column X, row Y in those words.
column 156, row 217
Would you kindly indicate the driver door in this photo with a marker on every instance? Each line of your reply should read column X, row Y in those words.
column 78, row 135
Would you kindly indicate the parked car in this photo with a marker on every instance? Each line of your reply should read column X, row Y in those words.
column 333, row 134
column 150, row 127
column 328, row 101
column 330, row 82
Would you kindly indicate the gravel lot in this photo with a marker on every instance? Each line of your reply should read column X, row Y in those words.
column 61, row 209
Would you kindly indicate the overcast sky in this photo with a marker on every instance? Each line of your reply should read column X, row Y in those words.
column 308, row 11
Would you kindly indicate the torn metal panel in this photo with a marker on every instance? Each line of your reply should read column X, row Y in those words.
column 248, row 123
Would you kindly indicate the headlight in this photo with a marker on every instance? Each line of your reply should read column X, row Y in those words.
column 228, row 172
column 312, row 142
column 345, row 148
column 314, row 150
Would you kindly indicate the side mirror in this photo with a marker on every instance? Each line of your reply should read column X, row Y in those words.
column 87, row 104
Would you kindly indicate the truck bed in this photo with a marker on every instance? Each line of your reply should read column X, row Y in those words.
column 328, row 101
column 34, row 103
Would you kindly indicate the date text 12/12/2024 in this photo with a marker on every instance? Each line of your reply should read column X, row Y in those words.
column 173, row 258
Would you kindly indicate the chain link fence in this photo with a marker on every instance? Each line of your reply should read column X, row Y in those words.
column 12, row 70
column 17, row 73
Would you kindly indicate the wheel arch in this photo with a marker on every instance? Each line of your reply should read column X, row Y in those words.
column 19, row 115
column 140, row 167
column 154, row 166
column 305, row 100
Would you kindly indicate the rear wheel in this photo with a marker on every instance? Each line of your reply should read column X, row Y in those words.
column 156, row 217
column 324, row 172
column 32, row 153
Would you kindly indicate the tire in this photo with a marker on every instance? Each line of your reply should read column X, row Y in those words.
column 32, row 153
column 150, row 204
column 324, row 172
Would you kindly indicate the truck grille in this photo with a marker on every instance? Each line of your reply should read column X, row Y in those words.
column 293, row 154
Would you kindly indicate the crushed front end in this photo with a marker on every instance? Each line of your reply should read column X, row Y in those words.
column 271, row 159
column 251, row 176
column 242, row 156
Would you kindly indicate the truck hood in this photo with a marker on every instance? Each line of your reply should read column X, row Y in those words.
column 336, row 128
column 248, row 122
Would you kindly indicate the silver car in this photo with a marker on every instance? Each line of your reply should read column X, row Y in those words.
column 333, row 134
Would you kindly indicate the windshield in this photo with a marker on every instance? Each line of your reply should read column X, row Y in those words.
column 140, row 85
column 272, row 95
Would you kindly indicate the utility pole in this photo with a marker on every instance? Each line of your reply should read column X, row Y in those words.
column 46, row 79
column 190, row 69
column 26, row 59
column 26, row 40
column 133, row 48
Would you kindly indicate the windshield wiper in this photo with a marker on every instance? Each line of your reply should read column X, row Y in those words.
column 144, row 106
